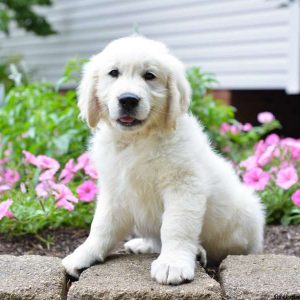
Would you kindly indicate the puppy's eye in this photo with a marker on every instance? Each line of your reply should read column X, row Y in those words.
column 149, row 76
column 114, row 73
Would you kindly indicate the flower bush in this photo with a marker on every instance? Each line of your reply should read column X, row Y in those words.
column 47, row 183
column 38, row 193
column 273, row 170
column 230, row 137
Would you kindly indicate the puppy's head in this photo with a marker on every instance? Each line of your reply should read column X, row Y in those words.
column 134, row 83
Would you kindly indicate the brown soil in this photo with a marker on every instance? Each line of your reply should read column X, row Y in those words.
column 60, row 242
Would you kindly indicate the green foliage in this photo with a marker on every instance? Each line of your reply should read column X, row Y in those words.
column 33, row 112
column 212, row 113
column 9, row 64
column 22, row 12
column 31, row 215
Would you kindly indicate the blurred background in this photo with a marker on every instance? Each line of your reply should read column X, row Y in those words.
column 252, row 47
column 243, row 65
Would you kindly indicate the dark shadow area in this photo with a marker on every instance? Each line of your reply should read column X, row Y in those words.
column 286, row 108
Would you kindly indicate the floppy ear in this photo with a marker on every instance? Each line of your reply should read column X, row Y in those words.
column 87, row 100
column 179, row 93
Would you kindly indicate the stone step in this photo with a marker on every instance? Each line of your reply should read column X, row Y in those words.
column 33, row 277
column 264, row 277
column 125, row 277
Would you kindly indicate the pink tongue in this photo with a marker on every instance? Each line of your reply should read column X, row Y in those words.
column 127, row 119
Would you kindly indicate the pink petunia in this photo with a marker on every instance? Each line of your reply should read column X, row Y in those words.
column 91, row 171
column 87, row 191
column 266, row 156
column 3, row 161
column 11, row 176
column 4, row 188
column 82, row 161
column 29, row 158
column 48, row 175
column 265, row 117
column 287, row 177
column 234, row 129
column 65, row 204
column 46, row 162
column 4, row 209
column 296, row 197
column 260, row 148
column 43, row 189
column 249, row 163
column 225, row 127
column 247, row 127
column 256, row 178
column 68, row 172
column 62, row 192
column 272, row 139
column 293, row 146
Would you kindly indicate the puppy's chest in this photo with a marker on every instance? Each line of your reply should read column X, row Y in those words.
column 136, row 173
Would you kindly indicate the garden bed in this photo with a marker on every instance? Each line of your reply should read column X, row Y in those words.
column 278, row 240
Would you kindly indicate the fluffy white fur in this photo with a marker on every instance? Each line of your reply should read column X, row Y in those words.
column 161, row 178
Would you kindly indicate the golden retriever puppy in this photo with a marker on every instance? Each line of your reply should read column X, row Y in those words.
column 159, row 175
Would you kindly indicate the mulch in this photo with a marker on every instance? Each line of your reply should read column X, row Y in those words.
column 62, row 241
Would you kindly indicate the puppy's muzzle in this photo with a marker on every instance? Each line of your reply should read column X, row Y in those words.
column 128, row 102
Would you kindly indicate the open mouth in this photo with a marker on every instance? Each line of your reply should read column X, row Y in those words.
column 129, row 121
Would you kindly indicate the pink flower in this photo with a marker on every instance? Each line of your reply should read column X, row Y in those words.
column 29, row 158
column 249, row 163
column 266, row 156
column 65, row 204
column 225, row 127
column 46, row 162
column 247, row 127
column 82, row 161
column 256, row 178
column 234, row 129
column 272, row 139
column 4, row 188
column 44, row 188
column 11, row 176
column 48, row 175
column 23, row 187
column 63, row 193
column 68, row 172
column 293, row 146
column 260, row 148
column 296, row 197
column 87, row 191
column 287, row 177
column 4, row 206
column 3, row 161
column 91, row 171
column 265, row 117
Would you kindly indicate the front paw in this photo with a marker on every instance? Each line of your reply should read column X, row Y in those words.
column 81, row 258
column 172, row 269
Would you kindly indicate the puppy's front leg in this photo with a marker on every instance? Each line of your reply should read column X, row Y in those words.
column 110, row 225
column 181, row 227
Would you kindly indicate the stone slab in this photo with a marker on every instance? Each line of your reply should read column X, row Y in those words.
column 128, row 277
column 265, row 276
column 31, row 277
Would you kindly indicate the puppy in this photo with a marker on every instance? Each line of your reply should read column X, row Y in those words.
column 158, row 174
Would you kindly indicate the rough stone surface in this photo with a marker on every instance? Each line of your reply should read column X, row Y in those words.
column 128, row 277
column 266, row 276
column 31, row 277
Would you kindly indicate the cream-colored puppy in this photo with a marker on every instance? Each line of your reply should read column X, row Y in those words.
column 159, row 175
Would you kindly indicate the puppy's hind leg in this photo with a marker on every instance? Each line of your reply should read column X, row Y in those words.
column 201, row 256
column 143, row 245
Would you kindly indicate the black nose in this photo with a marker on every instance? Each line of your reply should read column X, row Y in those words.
column 128, row 101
